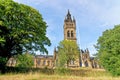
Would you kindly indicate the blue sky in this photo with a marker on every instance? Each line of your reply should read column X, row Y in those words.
column 92, row 18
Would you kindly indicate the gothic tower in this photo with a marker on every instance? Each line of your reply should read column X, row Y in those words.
column 70, row 34
column 69, row 27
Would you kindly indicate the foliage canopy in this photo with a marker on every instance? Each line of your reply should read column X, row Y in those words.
column 108, row 47
column 25, row 60
column 21, row 29
column 67, row 51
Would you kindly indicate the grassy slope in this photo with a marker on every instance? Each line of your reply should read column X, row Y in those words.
column 88, row 75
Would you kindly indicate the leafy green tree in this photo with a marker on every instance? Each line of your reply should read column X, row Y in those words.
column 67, row 51
column 25, row 60
column 22, row 29
column 108, row 47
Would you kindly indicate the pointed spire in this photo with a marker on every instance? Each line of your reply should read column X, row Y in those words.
column 69, row 12
column 68, row 16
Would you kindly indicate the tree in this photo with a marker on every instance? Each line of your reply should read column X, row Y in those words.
column 21, row 29
column 25, row 60
column 67, row 51
column 108, row 47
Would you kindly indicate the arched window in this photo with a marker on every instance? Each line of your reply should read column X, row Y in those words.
column 72, row 34
column 68, row 33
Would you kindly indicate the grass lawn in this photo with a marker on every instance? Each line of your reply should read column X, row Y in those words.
column 90, row 74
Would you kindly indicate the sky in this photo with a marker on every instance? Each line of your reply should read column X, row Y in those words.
column 92, row 18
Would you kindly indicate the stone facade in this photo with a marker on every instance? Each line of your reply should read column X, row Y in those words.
column 69, row 28
column 87, row 61
column 42, row 61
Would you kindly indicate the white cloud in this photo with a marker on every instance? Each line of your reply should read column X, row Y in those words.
column 106, row 12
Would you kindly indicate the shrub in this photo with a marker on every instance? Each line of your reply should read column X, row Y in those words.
column 2, row 64
column 24, row 61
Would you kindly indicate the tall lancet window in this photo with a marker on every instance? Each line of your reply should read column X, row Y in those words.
column 68, row 33
column 72, row 34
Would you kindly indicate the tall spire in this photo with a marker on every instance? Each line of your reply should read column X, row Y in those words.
column 69, row 27
column 69, row 13
column 68, row 17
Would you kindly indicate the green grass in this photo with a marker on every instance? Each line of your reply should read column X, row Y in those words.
column 74, row 74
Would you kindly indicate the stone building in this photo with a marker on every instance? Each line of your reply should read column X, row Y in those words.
column 84, row 60
column 49, row 61
column 70, row 34
column 69, row 28
column 42, row 61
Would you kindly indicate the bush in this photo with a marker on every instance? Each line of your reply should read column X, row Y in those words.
column 24, row 61
column 3, row 60
column 2, row 64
